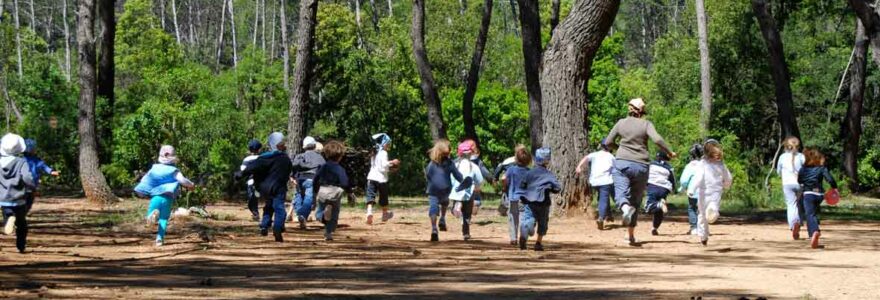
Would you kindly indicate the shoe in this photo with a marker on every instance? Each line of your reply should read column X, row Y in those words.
column 600, row 224
column 467, row 237
column 264, row 231
column 160, row 243
column 152, row 218
column 631, row 240
column 712, row 215
column 663, row 206
column 328, row 236
column 513, row 243
column 21, row 250
column 278, row 237
column 814, row 240
column 387, row 216
column 796, row 232
column 435, row 237
column 522, row 243
column 539, row 247
column 442, row 225
column 609, row 218
column 302, row 222
column 369, row 219
column 9, row 229
column 628, row 213
column 704, row 242
column 255, row 218
column 654, row 232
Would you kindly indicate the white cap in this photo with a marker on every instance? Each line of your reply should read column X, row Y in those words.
column 11, row 144
column 309, row 141
column 637, row 103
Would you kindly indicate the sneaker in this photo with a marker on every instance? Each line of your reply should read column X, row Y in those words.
column 10, row 226
column 328, row 236
column 631, row 240
column 255, row 218
column 153, row 217
column 302, row 222
column 814, row 240
column 160, row 243
column 654, row 232
column 435, row 237
column 278, row 237
column 663, row 206
column 387, row 216
column 539, row 247
column 609, row 218
column 369, row 219
column 628, row 213
column 467, row 237
column 712, row 215
column 600, row 224
column 795, row 232
column 513, row 243
column 693, row 232
column 442, row 225
column 264, row 231
column 705, row 242
column 522, row 243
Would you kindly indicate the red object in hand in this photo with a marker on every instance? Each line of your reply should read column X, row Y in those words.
column 832, row 196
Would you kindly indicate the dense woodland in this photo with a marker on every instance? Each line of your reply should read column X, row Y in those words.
column 208, row 75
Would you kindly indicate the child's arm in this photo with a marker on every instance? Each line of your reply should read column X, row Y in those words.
column 658, row 139
column 254, row 166
column 726, row 177
column 828, row 178
column 696, row 181
column 580, row 167
column 672, row 178
column 185, row 182
column 612, row 136
column 685, row 178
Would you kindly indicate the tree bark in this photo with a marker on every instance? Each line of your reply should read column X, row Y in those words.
column 174, row 19
column 107, row 71
column 429, row 91
column 299, row 98
column 263, row 26
column 33, row 16
column 871, row 21
column 162, row 13
column 567, row 67
column 390, row 9
column 220, row 38
column 852, row 124
column 374, row 15
column 779, row 69
column 93, row 182
column 189, row 18
column 357, row 18
column 272, row 38
column 285, row 46
column 530, row 20
column 67, row 70
column 18, row 38
column 470, row 128
column 554, row 16
column 232, row 26
column 705, row 79
column 256, row 23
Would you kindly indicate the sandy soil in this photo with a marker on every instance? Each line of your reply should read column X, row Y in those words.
column 78, row 251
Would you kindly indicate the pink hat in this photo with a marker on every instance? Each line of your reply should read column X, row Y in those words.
column 465, row 147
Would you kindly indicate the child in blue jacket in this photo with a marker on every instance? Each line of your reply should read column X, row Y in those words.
column 511, row 182
column 162, row 184
column 271, row 173
column 38, row 167
column 439, row 174
column 534, row 193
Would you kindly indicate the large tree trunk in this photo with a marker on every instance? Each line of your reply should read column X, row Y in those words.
column 467, row 104
column 852, row 124
column 705, row 79
column 871, row 21
column 779, row 69
column 530, row 21
column 429, row 91
column 567, row 66
column 107, row 71
column 285, row 46
column 302, row 72
column 93, row 182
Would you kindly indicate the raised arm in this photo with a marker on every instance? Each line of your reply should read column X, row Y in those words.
column 652, row 133
column 185, row 182
column 581, row 164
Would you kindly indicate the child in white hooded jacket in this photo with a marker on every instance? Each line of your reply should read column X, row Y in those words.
column 709, row 182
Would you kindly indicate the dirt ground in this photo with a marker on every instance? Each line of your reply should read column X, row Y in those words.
column 78, row 251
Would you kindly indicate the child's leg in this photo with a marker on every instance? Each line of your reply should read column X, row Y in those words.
column 692, row 213
column 527, row 222
column 811, row 209
column 319, row 214
column 513, row 219
column 383, row 201
column 29, row 201
column 155, row 204
column 280, row 214
column 305, row 197
column 433, row 211
column 467, row 210
column 334, row 218
column 164, row 215
column 791, row 205
column 253, row 204
column 372, row 193
column 268, row 212
column 543, row 219
column 604, row 192
column 21, row 227
column 702, row 221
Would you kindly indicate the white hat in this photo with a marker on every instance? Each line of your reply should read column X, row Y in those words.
column 274, row 139
column 309, row 141
column 11, row 144
column 638, row 104
column 166, row 155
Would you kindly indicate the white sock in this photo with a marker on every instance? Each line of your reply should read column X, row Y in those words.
column 369, row 209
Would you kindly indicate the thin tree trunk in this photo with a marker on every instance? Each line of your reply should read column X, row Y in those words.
column 2, row 6
column 232, row 26
column 357, row 18
column 470, row 128
column 18, row 38
column 272, row 39
column 33, row 16
column 852, row 124
column 93, row 182
column 530, row 20
column 554, row 16
column 374, row 15
column 162, row 13
column 390, row 9
column 429, row 92
column 299, row 98
column 705, row 80
column 871, row 20
column 174, row 19
column 514, row 16
column 48, row 26
column 107, row 72
column 220, row 39
column 256, row 23
column 67, row 70
column 463, row 5
column 779, row 69
column 285, row 46
column 567, row 67
column 263, row 26
column 192, row 36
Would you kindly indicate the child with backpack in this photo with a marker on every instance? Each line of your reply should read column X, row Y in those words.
column 534, row 194
column 16, row 181
column 464, row 198
column 710, row 181
column 696, row 153
column 601, row 162
column 305, row 167
column 162, row 184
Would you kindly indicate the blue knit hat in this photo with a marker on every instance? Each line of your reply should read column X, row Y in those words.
column 542, row 156
column 254, row 146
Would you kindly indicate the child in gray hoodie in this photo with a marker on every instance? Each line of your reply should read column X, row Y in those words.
column 16, row 181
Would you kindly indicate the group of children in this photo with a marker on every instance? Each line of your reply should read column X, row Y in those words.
column 803, row 176
column 20, row 178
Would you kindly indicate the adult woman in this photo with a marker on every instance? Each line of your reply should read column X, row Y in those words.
column 787, row 167
column 630, row 170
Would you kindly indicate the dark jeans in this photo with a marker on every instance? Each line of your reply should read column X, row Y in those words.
column 467, row 210
column 692, row 213
column 377, row 189
column 534, row 214
column 274, row 206
column 606, row 192
column 812, row 204
column 21, row 225
column 655, row 194
column 253, row 202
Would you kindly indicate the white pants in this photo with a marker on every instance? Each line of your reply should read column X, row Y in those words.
column 704, row 202
column 791, row 204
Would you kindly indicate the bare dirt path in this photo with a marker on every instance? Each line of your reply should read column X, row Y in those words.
column 77, row 251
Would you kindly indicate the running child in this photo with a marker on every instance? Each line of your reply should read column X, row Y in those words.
column 377, row 179
column 305, row 167
column 488, row 176
column 271, row 171
column 810, row 177
column 601, row 163
column 253, row 195
column 788, row 166
column 710, row 181
column 439, row 174
column 162, row 184
column 37, row 167
column 464, row 198
column 15, row 182
column 534, row 194
column 511, row 183
column 331, row 182
column 696, row 153
column 661, row 182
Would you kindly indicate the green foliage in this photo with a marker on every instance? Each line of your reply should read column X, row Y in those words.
column 501, row 116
